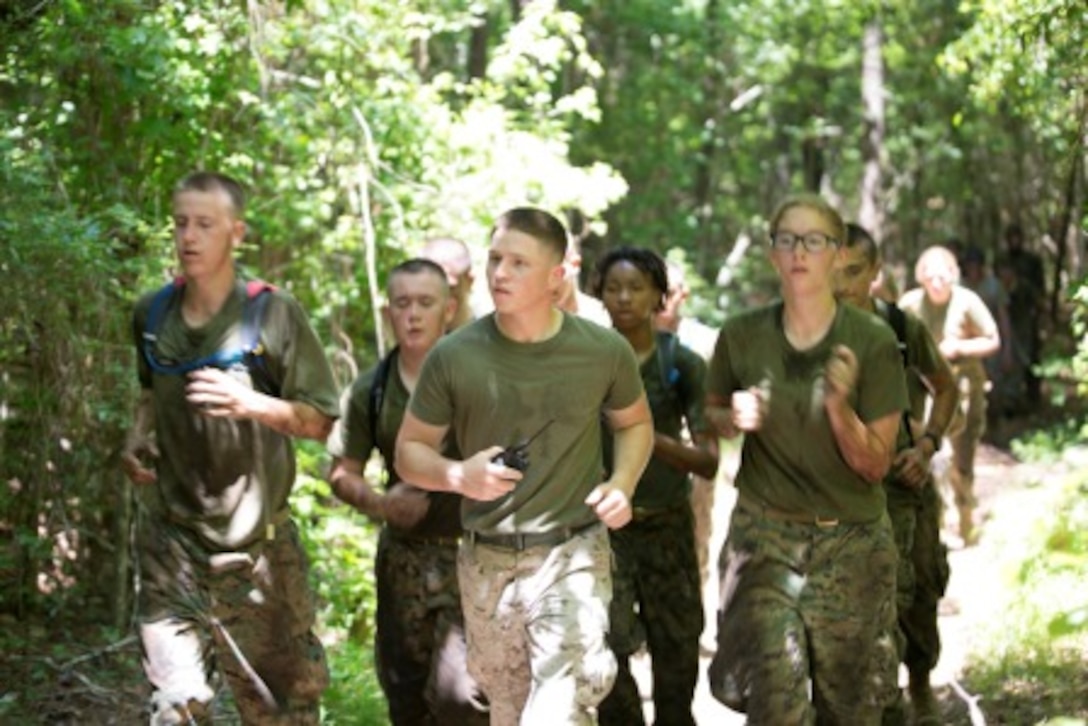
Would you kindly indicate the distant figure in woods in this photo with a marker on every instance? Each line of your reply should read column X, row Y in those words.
column 230, row 371
column 1026, row 285
column 913, row 499
column 522, row 391
column 420, row 652
column 453, row 256
column 808, row 568
column 966, row 333
column 657, row 598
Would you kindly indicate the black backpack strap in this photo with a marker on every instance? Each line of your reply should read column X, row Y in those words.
column 377, row 391
column 376, row 397
column 898, row 320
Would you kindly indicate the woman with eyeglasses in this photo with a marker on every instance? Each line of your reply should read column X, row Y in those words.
column 808, row 568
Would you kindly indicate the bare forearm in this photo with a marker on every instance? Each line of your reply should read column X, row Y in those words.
column 863, row 449
column 720, row 416
column 982, row 347
column 353, row 489
column 633, row 446
column 143, row 420
column 291, row 418
column 696, row 459
column 426, row 468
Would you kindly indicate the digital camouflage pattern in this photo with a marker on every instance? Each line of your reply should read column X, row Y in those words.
column 536, row 623
column 655, row 568
column 255, row 602
column 801, row 600
column 420, row 645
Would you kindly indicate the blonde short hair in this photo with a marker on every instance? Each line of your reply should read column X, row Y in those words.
column 817, row 204
column 937, row 255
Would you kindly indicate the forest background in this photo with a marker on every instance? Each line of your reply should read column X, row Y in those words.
column 362, row 128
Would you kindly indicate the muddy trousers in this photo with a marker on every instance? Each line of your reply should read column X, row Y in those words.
column 803, row 607
column 420, row 651
column 536, row 620
column 657, row 601
column 921, row 578
column 248, row 614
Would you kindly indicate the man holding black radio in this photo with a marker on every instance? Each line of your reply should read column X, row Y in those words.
column 534, row 565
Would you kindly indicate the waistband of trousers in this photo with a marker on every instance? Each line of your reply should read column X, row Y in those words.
column 518, row 542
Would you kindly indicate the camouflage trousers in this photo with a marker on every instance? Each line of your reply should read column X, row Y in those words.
column 702, row 506
column 921, row 578
column 420, row 640
column 802, row 608
column 249, row 613
column 656, row 600
column 536, row 621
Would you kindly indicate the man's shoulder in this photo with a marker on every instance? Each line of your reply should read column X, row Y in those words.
column 867, row 325
column 912, row 299
column 753, row 318
column 360, row 387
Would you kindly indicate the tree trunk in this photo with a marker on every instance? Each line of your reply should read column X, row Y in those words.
column 712, row 118
column 477, row 46
column 870, row 214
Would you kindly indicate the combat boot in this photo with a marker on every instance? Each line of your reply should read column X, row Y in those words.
column 967, row 524
column 923, row 702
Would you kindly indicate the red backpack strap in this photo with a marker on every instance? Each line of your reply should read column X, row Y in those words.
column 256, row 287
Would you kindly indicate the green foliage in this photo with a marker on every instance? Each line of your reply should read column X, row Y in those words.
column 1049, row 443
column 354, row 697
column 340, row 544
column 1037, row 640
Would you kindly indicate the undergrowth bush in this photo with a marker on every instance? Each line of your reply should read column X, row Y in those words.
column 1032, row 668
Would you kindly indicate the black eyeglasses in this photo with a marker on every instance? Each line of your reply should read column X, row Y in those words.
column 812, row 242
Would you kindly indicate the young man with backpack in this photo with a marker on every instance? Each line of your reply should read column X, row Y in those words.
column 420, row 643
column 230, row 372
column 912, row 497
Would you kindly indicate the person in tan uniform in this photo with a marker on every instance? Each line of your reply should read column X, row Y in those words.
column 966, row 333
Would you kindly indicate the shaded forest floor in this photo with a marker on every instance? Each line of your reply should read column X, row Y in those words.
column 70, row 669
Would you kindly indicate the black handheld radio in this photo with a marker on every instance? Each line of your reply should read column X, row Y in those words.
column 517, row 456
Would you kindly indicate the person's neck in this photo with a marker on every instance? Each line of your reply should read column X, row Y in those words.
column 202, row 299
column 409, row 363
column 806, row 324
column 642, row 340
column 531, row 326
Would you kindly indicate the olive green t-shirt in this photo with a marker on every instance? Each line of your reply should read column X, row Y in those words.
column 676, row 397
column 964, row 316
column 352, row 437
column 793, row 462
column 224, row 478
column 493, row 391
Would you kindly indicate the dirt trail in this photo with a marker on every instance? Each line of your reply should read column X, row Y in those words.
column 974, row 592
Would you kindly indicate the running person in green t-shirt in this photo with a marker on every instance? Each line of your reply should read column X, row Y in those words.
column 221, row 561
column 534, row 564
column 419, row 641
column 913, row 500
column 808, row 568
column 656, row 586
